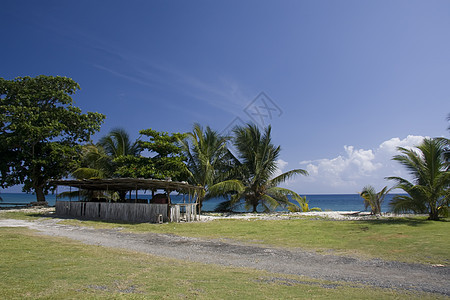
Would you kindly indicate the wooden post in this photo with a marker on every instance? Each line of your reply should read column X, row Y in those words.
column 169, row 204
column 136, row 194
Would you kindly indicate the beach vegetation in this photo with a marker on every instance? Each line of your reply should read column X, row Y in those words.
column 41, row 131
column 208, row 158
column 315, row 209
column 254, row 179
column 373, row 199
column 164, row 159
column 98, row 161
column 117, row 143
column 429, row 192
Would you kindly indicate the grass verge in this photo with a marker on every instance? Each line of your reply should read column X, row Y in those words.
column 34, row 266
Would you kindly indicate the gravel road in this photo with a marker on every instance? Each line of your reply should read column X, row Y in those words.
column 386, row 274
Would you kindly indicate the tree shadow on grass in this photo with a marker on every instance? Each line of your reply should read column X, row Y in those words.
column 52, row 215
column 409, row 221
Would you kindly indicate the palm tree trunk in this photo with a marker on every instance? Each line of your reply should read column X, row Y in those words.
column 255, row 205
column 199, row 206
column 434, row 214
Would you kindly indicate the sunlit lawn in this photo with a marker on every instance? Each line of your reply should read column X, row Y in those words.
column 403, row 239
column 34, row 266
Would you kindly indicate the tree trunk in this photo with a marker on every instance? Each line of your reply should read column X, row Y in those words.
column 122, row 195
column 434, row 215
column 40, row 196
column 199, row 206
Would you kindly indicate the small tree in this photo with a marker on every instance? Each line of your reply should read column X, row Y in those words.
column 373, row 199
column 40, row 131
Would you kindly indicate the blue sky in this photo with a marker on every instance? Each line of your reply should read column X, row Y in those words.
column 344, row 82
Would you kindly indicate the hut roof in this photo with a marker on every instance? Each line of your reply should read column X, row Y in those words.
column 128, row 184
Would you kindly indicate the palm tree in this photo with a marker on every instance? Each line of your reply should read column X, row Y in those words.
column 373, row 199
column 254, row 180
column 95, row 163
column 98, row 161
column 206, row 152
column 117, row 143
column 430, row 190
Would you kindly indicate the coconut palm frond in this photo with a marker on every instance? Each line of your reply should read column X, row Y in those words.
column 288, row 175
column 226, row 187
column 428, row 165
column 117, row 143
column 87, row 173
column 373, row 199
column 254, row 167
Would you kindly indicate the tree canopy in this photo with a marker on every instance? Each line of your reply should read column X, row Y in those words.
column 40, row 131
column 165, row 160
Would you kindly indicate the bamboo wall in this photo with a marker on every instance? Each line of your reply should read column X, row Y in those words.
column 128, row 212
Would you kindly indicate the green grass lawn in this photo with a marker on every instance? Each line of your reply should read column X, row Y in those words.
column 403, row 239
column 42, row 267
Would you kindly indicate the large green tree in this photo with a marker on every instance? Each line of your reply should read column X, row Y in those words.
column 207, row 158
column 40, row 131
column 254, row 180
column 165, row 158
column 430, row 189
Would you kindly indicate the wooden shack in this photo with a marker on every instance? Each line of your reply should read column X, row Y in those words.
column 135, row 210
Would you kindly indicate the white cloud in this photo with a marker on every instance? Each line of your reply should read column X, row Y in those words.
column 350, row 172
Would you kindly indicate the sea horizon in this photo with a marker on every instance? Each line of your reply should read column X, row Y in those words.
column 326, row 202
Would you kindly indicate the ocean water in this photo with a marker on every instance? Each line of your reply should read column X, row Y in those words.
column 330, row 202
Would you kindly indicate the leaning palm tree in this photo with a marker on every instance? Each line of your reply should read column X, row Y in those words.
column 373, row 199
column 254, row 180
column 430, row 189
column 207, row 155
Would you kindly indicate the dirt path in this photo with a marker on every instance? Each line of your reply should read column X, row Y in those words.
column 415, row 277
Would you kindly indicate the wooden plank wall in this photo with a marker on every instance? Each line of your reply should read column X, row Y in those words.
column 189, row 215
column 128, row 212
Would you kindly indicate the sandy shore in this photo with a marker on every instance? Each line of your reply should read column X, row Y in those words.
column 331, row 215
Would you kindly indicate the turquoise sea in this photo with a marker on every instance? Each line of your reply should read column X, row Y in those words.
column 338, row 202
